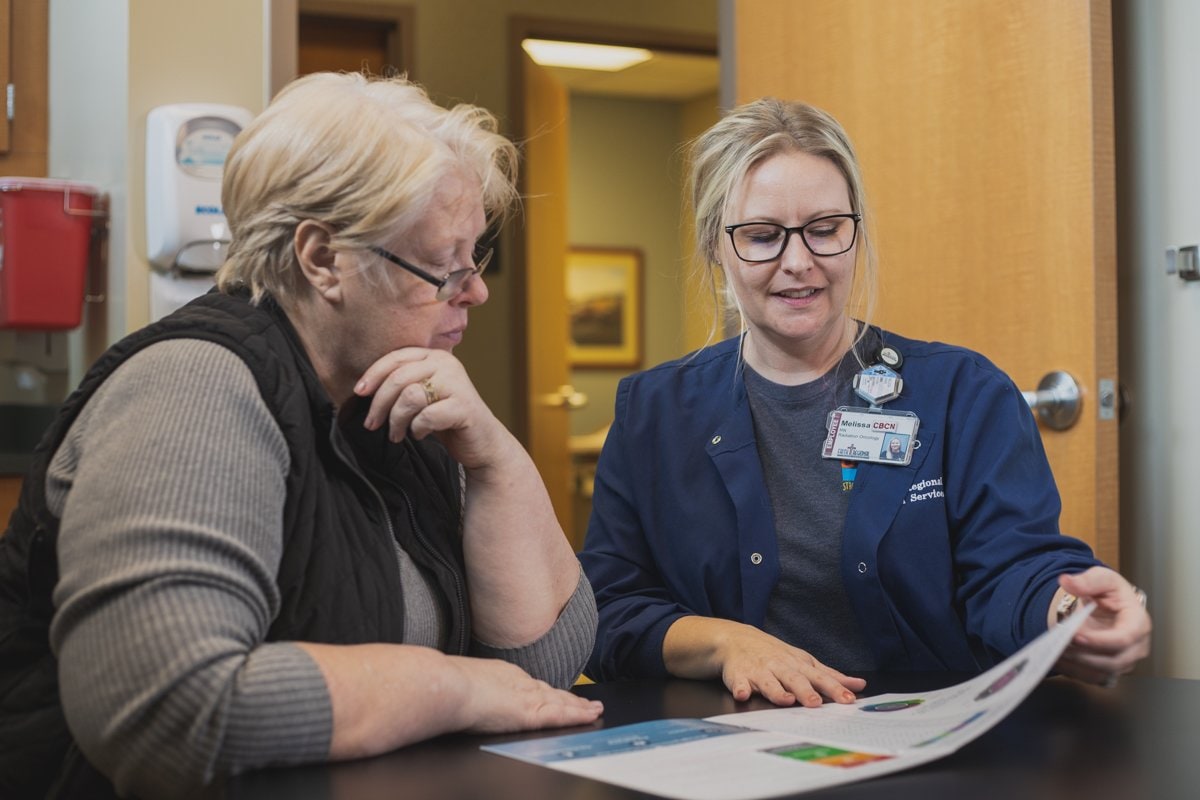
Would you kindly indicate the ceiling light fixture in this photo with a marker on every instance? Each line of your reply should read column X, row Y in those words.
column 578, row 55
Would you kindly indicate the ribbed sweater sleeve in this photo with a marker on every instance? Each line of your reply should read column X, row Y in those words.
column 170, row 487
column 558, row 657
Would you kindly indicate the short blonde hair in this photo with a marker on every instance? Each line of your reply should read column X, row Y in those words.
column 362, row 154
column 721, row 157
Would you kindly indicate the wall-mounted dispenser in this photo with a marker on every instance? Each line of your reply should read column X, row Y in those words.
column 186, row 233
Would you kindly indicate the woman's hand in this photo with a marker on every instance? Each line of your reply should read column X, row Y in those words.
column 425, row 391
column 749, row 660
column 503, row 698
column 386, row 696
column 521, row 570
column 1117, row 634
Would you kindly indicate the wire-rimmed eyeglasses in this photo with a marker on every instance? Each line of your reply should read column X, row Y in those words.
column 453, row 282
column 755, row 242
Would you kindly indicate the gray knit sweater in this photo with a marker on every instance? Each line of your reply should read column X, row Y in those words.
column 170, row 487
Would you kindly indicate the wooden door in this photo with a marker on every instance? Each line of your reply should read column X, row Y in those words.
column 985, row 130
column 354, row 37
column 545, row 116
column 25, row 45
column 330, row 44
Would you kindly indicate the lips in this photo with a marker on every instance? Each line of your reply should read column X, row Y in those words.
column 796, row 294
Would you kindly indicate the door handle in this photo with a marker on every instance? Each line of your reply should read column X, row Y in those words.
column 566, row 397
column 1057, row 401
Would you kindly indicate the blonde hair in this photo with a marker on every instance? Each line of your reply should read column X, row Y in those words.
column 721, row 157
column 362, row 154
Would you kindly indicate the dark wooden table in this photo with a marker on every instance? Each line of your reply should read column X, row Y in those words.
column 1139, row 740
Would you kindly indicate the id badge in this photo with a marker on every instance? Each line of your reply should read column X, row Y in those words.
column 880, row 437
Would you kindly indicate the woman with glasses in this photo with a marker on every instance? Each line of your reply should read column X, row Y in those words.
column 752, row 520
column 287, row 527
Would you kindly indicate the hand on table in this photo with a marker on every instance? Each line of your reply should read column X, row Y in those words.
column 749, row 660
column 758, row 662
column 503, row 698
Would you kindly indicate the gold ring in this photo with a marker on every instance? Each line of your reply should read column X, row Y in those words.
column 431, row 395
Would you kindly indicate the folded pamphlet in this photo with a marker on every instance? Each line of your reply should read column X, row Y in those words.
column 783, row 751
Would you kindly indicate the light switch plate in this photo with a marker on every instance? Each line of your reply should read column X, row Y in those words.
column 1188, row 263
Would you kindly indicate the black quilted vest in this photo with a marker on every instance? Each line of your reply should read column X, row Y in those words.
column 348, row 506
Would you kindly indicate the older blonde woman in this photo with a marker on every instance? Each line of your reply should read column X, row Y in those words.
column 287, row 527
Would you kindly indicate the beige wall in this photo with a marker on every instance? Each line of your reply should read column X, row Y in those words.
column 1158, row 207
column 179, row 55
column 111, row 61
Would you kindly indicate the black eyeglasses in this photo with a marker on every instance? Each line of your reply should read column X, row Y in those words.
column 453, row 283
column 755, row 242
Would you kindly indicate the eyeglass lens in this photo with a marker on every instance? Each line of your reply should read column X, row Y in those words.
column 766, row 241
column 453, row 282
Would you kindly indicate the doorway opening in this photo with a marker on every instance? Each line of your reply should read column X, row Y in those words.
column 602, row 177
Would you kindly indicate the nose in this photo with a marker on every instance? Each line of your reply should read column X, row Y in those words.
column 796, row 256
column 474, row 292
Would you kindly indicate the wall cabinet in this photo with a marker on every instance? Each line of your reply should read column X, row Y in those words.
column 24, row 86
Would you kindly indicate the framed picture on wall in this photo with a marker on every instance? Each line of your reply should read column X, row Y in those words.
column 604, row 307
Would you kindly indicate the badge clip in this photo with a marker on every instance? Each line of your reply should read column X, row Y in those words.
column 877, row 384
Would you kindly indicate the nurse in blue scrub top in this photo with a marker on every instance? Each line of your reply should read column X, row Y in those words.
column 749, row 522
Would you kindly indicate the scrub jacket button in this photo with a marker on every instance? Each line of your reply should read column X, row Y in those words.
column 862, row 567
column 756, row 558
column 716, row 439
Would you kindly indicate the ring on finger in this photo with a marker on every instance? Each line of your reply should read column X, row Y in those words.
column 431, row 395
column 1111, row 681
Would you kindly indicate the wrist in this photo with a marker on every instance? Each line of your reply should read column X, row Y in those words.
column 495, row 455
column 457, row 691
column 694, row 646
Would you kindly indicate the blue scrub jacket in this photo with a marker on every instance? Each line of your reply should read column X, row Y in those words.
column 949, row 562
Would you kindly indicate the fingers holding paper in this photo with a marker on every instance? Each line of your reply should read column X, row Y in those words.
column 1116, row 635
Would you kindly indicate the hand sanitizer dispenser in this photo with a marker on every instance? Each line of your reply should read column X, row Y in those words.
column 186, row 233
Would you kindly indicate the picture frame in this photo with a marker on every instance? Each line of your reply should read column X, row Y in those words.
column 604, row 307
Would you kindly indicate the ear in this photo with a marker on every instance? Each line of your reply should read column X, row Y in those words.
column 318, row 261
